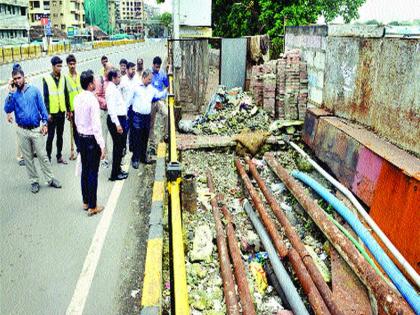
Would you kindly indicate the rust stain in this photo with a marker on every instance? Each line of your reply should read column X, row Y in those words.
column 396, row 209
column 348, row 291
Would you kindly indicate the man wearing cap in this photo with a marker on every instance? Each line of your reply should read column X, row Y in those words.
column 74, row 88
column 56, row 98
column 31, row 116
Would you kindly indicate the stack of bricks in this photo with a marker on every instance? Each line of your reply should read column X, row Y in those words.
column 303, row 90
column 257, row 84
column 269, row 79
column 292, row 85
column 281, row 86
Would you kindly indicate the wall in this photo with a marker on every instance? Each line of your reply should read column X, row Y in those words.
column 312, row 41
column 361, row 74
column 376, row 82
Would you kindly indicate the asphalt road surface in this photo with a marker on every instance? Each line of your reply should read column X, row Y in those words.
column 54, row 258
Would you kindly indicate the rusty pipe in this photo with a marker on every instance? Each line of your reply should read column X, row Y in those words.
column 391, row 302
column 314, row 297
column 248, row 307
column 231, row 300
column 296, row 242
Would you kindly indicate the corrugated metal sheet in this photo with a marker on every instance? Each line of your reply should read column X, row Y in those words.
column 233, row 66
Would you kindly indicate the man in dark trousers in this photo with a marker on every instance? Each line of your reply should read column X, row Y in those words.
column 91, row 143
column 117, row 123
column 141, row 100
column 25, row 101
column 56, row 98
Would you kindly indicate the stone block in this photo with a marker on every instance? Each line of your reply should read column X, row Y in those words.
column 356, row 30
column 319, row 60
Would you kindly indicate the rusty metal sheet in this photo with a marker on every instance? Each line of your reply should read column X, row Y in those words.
column 338, row 150
column 406, row 162
column 347, row 290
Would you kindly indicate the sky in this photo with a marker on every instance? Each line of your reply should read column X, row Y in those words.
column 383, row 11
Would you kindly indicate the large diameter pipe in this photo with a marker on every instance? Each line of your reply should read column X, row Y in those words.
column 401, row 283
column 295, row 301
column 225, row 264
column 314, row 297
column 248, row 307
column 413, row 275
column 296, row 242
column 391, row 302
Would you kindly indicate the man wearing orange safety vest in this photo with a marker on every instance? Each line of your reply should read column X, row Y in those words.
column 74, row 88
column 56, row 98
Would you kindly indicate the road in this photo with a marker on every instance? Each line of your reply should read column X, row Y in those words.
column 54, row 258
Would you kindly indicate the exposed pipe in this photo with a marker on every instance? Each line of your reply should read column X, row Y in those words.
column 248, row 307
column 403, row 286
column 296, row 242
column 390, row 301
column 360, row 248
column 232, row 306
column 272, row 279
column 314, row 297
column 286, row 283
column 413, row 275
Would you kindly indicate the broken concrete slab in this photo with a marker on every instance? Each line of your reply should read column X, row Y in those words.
column 355, row 30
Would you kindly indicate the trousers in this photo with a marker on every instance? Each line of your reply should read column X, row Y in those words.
column 31, row 142
column 56, row 124
column 119, row 141
column 90, row 154
column 141, row 129
column 160, row 108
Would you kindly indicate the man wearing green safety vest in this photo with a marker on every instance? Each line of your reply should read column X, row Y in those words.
column 56, row 98
column 74, row 88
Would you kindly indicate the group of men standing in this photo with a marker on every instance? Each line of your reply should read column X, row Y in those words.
column 123, row 102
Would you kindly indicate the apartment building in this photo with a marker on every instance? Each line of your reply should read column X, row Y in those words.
column 14, row 24
column 112, row 14
column 131, row 9
column 38, row 9
column 67, row 13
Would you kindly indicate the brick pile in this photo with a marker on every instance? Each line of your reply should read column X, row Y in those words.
column 281, row 86
column 269, row 80
column 257, row 84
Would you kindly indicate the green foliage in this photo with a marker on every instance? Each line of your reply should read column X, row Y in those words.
column 166, row 19
column 234, row 18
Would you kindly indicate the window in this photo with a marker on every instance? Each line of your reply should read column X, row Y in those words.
column 63, row 27
column 46, row 5
column 36, row 4
column 22, row 11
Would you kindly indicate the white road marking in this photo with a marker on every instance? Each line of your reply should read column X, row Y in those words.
column 84, row 283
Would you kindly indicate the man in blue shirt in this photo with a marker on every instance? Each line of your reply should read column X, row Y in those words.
column 160, row 82
column 25, row 101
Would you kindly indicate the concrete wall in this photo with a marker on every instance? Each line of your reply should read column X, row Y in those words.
column 376, row 82
column 312, row 41
column 360, row 74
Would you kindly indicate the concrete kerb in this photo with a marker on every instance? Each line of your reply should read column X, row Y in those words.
column 151, row 300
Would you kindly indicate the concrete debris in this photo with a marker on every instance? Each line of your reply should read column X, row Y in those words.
column 202, row 244
column 228, row 113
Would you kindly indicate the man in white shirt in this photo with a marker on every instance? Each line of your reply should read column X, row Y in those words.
column 141, row 100
column 117, row 123
column 128, row 82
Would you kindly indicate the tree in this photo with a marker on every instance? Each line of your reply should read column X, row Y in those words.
column 166, row 19
column 233, row 18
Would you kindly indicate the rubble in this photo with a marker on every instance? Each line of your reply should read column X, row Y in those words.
column 202, row 244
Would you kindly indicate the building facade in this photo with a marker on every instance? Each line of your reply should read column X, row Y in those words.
column 38, row 9
column 14, row 26
column 131, row 16
column 67, row 14
column 112, row 15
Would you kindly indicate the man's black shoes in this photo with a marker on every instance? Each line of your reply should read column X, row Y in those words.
column 34, row 188
column 120, row 176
